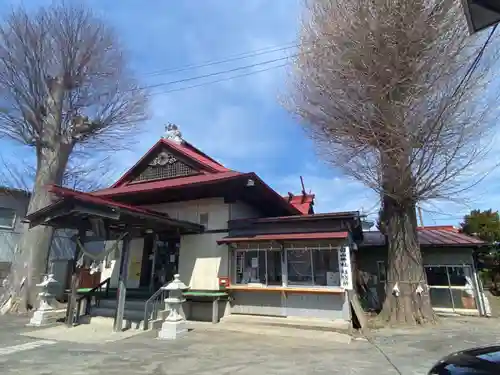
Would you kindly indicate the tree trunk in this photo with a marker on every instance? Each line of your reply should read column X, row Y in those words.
column 20, row 294
column 404, row 268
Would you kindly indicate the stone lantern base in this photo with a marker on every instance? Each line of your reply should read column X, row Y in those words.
column 172, row 330
column 45, row 317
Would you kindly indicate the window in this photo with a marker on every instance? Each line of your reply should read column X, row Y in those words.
column 381, row 271
column 7, row 218
column 204, row 219
column 264, row 264
column 251, row 267
column 451, row 287
column 258, row 265
column 313, row 266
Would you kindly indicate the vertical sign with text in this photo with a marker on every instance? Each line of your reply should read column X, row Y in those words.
column 345, row 267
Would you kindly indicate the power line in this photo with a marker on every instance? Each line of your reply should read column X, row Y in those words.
column 241, row 56
column 220, row 80
column 215, row 73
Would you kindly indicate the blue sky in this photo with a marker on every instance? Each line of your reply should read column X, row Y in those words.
column 241, row 121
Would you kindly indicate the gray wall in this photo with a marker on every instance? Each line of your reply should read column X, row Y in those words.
column 62, row 247
column 10, row 237
column 332, row 225
column 321, row 306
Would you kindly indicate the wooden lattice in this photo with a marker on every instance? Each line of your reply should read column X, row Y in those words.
column 165, row 166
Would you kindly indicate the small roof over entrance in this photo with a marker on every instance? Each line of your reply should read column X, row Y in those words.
column 78, row 210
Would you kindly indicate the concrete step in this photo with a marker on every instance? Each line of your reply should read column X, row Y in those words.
column 135, row 315
column 106, row 322
column 131, row 318
column 129, row 304
column 290, row 322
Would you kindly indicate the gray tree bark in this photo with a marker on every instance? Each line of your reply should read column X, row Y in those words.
column 53, row 152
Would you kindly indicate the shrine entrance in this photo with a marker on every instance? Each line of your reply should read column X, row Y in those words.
column 160, row 261
column 99, row 219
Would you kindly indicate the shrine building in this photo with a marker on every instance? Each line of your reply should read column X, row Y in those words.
column 234, row 240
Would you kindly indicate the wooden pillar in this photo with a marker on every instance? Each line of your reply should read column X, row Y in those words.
column 122, row 284
column 70, row 310
column 153, row 263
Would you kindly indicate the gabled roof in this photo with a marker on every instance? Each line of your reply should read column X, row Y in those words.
column 303, row 202
column 167, row 184
column 206, row 164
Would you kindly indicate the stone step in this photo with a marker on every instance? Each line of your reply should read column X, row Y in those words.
column 305, row 334
column 136, row 315
column 290, row 322
column 132, row 319
column 129, row 305
column 106, row 322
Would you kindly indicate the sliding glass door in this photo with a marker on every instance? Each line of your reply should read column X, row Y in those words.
column 451, row 287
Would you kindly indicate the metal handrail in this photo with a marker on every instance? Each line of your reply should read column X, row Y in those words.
column 88, row 295
column 156, row 300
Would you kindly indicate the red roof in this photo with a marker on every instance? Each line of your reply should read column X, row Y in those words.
column 187, row 150
column 302, row 202
column 428, row 237
column 168, row 184
column 68, row 193
column 449, row 228
column 436, row 237
column 286, row 237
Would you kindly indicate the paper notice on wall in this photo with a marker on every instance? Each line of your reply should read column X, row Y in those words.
column 255, row 262
column 172, row 258
column 332, row 278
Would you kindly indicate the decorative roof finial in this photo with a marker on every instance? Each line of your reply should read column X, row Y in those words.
column 173, row 133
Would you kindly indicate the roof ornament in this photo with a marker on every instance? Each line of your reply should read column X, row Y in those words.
column 172, row 133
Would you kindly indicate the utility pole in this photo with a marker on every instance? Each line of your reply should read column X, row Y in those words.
column 420, row 216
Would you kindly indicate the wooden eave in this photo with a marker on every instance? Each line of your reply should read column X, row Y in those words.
column 70, row 213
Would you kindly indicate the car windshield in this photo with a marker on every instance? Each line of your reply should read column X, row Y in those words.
column 466, row 363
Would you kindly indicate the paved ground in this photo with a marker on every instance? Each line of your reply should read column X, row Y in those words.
column 225, row 352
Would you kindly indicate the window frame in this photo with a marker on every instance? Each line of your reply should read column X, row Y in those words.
column 14, row 218
column 450, row 287
column 311, row 248
column 284, row 251
column 381, row 265
column 250, row 248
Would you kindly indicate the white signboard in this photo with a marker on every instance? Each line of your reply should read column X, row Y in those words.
column 345, row 267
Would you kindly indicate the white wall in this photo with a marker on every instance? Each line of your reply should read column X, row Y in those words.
column 202, row 261
column 218, row 211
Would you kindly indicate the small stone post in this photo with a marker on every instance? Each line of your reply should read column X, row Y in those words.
column 46, row 314
column 174, row 325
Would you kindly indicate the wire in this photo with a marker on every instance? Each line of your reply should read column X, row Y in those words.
column 215, row 73
column 237, row 57
column 219, row 80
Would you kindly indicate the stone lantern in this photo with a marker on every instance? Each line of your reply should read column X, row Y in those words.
column 174, row 325
column 46, row 314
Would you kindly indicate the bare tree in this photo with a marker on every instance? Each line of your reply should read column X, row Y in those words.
column 392, row 92
column 64, row 86
column 82, row 173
